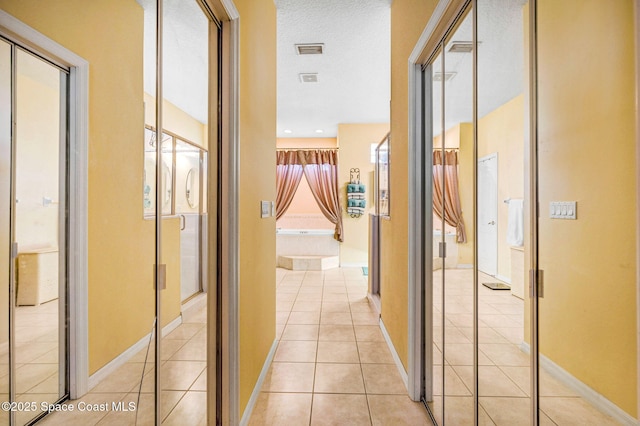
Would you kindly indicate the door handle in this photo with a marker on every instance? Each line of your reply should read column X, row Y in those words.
column 493, row 222
column 183, row 222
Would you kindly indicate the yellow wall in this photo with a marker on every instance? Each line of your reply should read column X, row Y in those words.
column 355, row 152
column 257, row 182
column 408, row 19
column 587, row 153
column 175, row 121
column 37, row 153
column 502, row 131
column 120, row 241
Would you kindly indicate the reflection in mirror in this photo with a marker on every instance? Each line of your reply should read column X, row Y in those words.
column 5, row 218
column 434, row 359
column 453, row 163
column 504, row 370
column 186, row 72
column 39, row 222
column 166, row 188
column 192, row 192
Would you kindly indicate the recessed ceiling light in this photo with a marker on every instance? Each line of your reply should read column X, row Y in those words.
column 309, row 48
column 319, row 131
column 288, row 131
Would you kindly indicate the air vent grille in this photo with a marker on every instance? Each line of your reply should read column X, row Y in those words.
column 461, row 47
column 437, row 76
column 310, row 48
column 309, row 77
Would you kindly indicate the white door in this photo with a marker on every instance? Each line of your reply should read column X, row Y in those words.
column 189, row 255
column 488, row 214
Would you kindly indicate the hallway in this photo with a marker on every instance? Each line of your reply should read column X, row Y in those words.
column 332, row 365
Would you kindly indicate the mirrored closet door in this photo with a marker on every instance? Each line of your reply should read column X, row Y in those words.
column 33, row 236
column 523, row 323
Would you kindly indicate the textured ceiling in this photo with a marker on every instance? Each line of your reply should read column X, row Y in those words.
column 185, row 55
column 353, row 73
column 500, row 63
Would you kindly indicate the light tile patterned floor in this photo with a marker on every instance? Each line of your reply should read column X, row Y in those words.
column 184, row 384
column 332, row 365
column 36, row 343
column 504, row 369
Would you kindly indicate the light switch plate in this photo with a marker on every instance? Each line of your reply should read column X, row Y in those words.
column 265, row 208
column 273, row 208
column 563, row 210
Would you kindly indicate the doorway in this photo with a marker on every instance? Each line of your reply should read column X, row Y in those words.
column 34, row 219
column 488, row 214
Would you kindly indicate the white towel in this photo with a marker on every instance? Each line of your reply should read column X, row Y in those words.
column 515, row 224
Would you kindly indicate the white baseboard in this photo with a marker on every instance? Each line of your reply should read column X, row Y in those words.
column 375, row 301
column 396, row 358
column 597, row 400
column 464, row 266
column 504, row 279
column 125, row 356
column 258, row 387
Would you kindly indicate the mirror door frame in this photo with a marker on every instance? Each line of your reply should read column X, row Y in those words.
column 15, row 30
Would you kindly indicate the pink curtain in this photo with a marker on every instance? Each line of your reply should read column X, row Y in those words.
column 288, row 176
column 321, row 170
column 446, row 195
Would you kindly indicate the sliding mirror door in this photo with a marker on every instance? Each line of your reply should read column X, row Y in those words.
column 5, row 220
column 504, row 378
column 33, row 236
column 453, row 169
column 450, row 358
column 188, row 32
column 434, row 320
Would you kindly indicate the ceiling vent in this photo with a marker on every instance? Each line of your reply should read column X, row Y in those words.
column 461, row 47
column 308, row 77
column 437, row 76
column 310, row 48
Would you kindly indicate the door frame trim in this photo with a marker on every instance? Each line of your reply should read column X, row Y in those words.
column 223, row 302
column 636, row 7
column 77, row 192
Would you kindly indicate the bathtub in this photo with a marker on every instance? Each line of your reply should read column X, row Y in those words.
column 306, row 242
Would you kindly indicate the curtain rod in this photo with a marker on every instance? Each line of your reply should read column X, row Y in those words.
column 440, row 148
column 305, row 149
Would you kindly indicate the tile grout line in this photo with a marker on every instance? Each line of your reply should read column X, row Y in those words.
column 364, row 384
column 315, row 363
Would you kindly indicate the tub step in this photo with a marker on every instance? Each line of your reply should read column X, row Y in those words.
column 308, row 263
